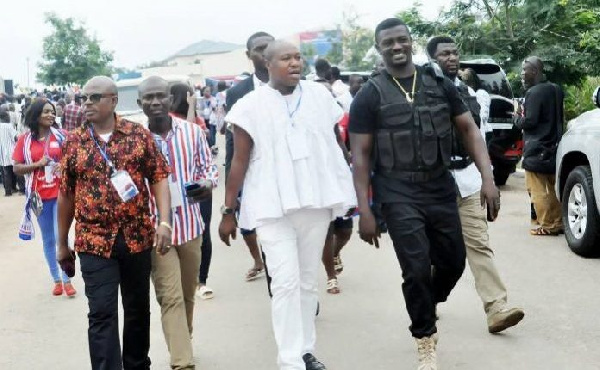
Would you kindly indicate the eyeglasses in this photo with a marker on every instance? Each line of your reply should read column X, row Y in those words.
column 95, row 98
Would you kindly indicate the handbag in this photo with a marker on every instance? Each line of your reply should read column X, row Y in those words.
column 35, row 201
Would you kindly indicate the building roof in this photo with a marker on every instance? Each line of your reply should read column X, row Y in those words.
column 206, row 47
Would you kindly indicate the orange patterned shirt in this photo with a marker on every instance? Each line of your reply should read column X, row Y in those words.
column 99, row 211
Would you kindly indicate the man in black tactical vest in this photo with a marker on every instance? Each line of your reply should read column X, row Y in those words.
column 480, row 256
column 401, row 137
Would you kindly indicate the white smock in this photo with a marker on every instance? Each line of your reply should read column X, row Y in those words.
column 295, row 162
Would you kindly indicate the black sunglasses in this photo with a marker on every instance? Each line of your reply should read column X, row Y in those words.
column 95, row 98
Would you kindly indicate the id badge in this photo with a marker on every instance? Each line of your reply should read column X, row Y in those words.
column 49, row 172
column 297, row 143
column 176, row 198
column 124, row 185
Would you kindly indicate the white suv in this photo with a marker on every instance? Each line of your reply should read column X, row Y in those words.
column 578, row 182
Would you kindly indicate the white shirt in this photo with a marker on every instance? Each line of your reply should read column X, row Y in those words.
column 276, row 184
column 7, row 143
column 468, row 179
column 339, row 88
column 257, row 82
column 484, row 100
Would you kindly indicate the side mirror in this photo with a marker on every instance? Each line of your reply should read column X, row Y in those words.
column 596, row 97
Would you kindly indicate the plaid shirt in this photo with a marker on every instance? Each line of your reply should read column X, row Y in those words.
column 72, row 117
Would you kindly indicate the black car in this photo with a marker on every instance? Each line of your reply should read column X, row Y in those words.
column 505, row 144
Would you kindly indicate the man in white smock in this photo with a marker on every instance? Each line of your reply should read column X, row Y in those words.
column 295, row 182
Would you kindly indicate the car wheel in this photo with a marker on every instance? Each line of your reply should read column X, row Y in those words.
column 579, row 213
column 500, row 176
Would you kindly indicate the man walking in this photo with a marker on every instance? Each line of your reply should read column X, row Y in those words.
column 400, row 124
column 542, row 122
column 105, row 165
column 175, row 272
column 256, row 45
column 480, row 256
column 288, row 160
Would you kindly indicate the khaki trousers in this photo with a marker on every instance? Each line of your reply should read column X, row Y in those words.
column 480, row 256
column 547, row 207
column 175, row 278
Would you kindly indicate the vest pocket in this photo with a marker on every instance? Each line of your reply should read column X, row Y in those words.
column 385, row 150
column 395, row 115
column 429, row 148
column 443, row 127
column 403, row 147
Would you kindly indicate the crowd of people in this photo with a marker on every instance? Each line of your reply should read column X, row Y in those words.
column 404, row 150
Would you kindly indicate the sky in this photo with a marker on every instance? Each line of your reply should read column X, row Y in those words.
column 141, row 31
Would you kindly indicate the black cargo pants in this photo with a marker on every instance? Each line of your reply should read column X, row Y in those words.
column 426, row 235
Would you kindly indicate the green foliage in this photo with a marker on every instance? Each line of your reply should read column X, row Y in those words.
column 70, row 54
column 562, row 33
column 335, row 55
column 578, row 99
column 356, row 41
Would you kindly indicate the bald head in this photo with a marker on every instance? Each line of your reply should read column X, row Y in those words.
column 532, row 72
column 101, row 84
column 535, row 62
column 153, row 83
column 278, row 47
column 284, row 63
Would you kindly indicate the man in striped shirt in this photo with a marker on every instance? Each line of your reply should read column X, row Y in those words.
column 175, row 273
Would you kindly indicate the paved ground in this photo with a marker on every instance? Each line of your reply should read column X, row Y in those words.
column 365, row 327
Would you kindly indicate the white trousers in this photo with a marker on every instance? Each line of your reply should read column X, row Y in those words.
column 293, row 246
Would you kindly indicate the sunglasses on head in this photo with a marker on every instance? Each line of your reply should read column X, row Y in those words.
column 95, row 98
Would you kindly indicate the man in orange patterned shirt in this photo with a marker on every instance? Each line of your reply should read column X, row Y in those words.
column 105, row 164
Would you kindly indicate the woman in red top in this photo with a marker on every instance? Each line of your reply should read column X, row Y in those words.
column 36, row 156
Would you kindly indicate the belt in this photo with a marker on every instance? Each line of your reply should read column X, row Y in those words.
column 416, row 176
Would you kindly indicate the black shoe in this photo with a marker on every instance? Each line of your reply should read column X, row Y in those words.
column 312, row 363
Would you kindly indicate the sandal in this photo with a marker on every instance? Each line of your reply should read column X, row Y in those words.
column 332, row 286
column 543, row 232
column 205, row 292
column 338, row 265
column 254, row 273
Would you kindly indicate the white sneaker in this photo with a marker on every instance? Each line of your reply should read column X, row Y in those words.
column 427, row 354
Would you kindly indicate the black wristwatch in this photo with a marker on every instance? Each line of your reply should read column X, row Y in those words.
column 226, row 211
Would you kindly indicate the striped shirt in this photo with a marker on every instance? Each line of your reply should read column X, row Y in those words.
column 7, row 143
column 188, row 154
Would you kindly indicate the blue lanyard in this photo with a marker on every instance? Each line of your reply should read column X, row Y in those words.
column 292, row 113
column 102, row 151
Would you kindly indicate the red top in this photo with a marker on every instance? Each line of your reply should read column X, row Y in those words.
column 45, row 189
column 343, row 125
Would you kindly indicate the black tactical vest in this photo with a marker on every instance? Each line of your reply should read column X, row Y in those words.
column 413, row 141
column 460, row 155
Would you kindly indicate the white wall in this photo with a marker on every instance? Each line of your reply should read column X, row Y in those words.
column 223, row 64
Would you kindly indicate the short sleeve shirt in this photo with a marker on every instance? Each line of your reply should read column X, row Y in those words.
column 364, row 114
column 99, row 212
column 278, row 180
column 46, row 190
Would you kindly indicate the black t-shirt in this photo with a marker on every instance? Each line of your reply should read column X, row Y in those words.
column 364, row 114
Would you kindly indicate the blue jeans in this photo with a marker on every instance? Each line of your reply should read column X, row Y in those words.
column 212, row 136
column 49, row 227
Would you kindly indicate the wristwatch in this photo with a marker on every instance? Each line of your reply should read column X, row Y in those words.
column 226, row 211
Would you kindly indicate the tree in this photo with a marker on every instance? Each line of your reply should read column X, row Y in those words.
column 70, row 54
column 356, row 41
column 562, row 32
